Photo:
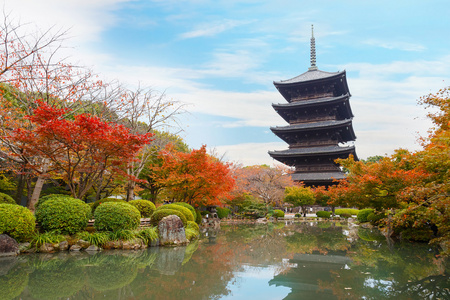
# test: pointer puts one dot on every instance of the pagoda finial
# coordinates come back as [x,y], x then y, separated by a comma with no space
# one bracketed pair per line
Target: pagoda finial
[313,50]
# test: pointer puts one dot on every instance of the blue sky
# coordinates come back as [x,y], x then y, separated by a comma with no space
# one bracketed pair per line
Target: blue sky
[221,58]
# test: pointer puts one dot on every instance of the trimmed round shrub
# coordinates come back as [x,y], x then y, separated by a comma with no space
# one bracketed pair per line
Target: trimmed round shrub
[193,225]
[159,214]
[363,214]
[278,213]
[188,206]
[145,207]
[185,211]
[298,215]
[98,202]
[323,214]
[51,196]
[223,212]
[64,214]
[5,198]
[198,217]
[349,211]
[113,216]
[16,221]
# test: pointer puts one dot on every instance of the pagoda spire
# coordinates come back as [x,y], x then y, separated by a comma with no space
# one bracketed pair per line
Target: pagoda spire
[313,50]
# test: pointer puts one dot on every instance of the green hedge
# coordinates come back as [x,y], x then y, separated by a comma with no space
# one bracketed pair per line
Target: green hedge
[188,206]
[145,207]
[51,196]
[278,213]
[193,225]
[16,221]
[5,198]
[363,214]
[185,211]
[198,217]
[98,202]
[113,216]
[63,214]
[323,214]
[223,212]
[348,211]
[159,214]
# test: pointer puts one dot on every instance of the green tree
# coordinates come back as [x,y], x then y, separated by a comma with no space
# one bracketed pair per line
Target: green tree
[299,196]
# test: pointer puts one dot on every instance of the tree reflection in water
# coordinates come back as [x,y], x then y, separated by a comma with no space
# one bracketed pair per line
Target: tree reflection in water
[316,261]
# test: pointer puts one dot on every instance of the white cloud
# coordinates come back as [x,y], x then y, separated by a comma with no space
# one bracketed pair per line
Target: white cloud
[208,29]
[397,45]
[251,153]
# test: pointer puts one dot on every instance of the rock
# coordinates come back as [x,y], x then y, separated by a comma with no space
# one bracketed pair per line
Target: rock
[75,247]
[83,244]
[171,231]
[112,245]
[92,248]
[63,246]
[47,248]
[8,246]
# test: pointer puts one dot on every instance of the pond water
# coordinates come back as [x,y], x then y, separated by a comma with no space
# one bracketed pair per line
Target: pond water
[274,261]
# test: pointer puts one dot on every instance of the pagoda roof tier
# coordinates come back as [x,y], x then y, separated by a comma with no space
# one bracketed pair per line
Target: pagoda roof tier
[330,126]
[286,156]
[342,104]
[312,79]
[308,76]
[310,178]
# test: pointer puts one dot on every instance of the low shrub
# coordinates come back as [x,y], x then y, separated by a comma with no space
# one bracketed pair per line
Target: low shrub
[145,207]
[148,234]
[63,214]
[114,216]
[345,215]
[323,214]
[349,211]
[191,234]
[104,200]
[298,215]
[198,217]
[278,213]
[94,238]
[123,235]
[223,212]
[16,221]
[50,237]
[51,196]
[159,214]
[5,198]
[188,206]
[193,225]
[363,214]
[185,211]
[375,218]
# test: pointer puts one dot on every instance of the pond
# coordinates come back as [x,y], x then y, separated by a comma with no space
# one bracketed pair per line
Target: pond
[274,261]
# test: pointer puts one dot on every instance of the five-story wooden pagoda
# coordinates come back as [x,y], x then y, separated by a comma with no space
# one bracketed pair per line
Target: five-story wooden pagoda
[320,123]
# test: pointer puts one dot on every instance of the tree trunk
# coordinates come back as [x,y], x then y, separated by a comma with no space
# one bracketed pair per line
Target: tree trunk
[36,192]
[20,187]
[130,190]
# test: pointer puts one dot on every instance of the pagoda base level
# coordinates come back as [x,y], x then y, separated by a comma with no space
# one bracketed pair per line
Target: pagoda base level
[318,179]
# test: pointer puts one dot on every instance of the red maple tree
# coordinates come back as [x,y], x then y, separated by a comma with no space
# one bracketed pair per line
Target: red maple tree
[81,149]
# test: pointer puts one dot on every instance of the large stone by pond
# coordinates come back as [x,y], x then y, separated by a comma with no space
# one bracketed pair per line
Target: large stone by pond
[8,246]
[171,231]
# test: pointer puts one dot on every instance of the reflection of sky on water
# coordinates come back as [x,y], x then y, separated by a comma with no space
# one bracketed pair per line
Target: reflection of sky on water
[252,283]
